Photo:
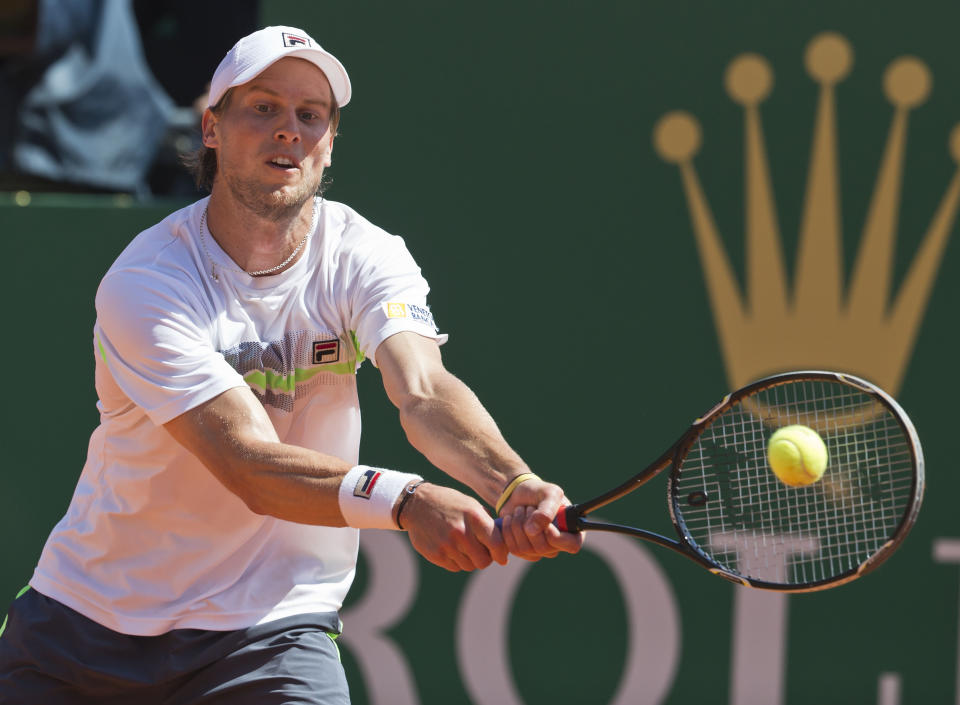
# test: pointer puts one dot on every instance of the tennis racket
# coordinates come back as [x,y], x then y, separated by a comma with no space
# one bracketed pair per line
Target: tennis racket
[734,517]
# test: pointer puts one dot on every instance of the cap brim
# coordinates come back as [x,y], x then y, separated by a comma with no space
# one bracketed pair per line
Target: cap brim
[334,71]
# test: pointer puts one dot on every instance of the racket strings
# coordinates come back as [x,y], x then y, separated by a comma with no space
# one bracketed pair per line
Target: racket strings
[758,527]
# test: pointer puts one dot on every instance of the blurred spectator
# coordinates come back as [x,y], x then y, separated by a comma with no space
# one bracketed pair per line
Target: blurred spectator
[183,41]
[85,113]
[82,108]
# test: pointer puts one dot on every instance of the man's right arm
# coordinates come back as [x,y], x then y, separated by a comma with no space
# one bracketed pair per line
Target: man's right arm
[232,435]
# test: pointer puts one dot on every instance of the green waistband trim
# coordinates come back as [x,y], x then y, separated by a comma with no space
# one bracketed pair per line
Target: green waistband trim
[333,638]
[27,587]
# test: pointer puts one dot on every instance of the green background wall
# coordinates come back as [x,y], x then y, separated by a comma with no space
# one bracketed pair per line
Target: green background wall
[510,143]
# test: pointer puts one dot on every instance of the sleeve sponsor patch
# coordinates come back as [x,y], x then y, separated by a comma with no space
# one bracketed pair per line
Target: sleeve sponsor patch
[410,311]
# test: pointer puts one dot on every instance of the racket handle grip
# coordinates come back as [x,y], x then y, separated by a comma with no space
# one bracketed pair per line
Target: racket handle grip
[560,521]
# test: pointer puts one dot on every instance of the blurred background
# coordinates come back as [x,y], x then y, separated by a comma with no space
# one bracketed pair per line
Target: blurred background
[544,161]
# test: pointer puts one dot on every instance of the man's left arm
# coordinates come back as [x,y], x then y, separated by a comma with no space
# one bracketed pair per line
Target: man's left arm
[445,421]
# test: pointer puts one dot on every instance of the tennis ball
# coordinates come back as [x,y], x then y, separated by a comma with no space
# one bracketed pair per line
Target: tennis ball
[797,455]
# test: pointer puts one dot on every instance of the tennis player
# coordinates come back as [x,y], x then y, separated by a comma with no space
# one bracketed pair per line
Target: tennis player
[213,535]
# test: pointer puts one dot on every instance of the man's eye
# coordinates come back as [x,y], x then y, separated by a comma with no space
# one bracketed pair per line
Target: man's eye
[261,108]
[308,116]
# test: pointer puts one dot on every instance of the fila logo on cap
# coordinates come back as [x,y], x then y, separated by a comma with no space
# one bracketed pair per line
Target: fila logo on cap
[326,351]
[295,40]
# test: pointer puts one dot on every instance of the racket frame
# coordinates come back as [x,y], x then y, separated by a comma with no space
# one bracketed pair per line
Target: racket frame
[574,517]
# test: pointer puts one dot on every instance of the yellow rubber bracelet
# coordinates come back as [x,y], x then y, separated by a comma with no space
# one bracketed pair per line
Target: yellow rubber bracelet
[514,483]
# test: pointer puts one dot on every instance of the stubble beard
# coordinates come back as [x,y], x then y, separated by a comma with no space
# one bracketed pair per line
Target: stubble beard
[275,204]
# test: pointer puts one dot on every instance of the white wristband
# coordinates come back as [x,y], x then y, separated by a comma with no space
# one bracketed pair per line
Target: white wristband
[368,496]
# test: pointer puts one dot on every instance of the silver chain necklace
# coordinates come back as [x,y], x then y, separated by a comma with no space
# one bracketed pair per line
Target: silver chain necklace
[260,272]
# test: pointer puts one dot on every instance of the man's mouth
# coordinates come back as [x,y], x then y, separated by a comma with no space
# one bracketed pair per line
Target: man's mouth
[283,163]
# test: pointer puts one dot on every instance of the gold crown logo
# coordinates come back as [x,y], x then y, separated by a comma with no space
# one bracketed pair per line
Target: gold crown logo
[860,328]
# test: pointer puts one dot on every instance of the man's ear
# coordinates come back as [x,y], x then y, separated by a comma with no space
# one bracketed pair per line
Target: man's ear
[208,129]
[328,153]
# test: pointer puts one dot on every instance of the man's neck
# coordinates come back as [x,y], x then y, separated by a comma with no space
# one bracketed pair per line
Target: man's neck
[255,242]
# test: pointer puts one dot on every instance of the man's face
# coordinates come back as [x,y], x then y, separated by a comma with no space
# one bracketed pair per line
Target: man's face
[274,138]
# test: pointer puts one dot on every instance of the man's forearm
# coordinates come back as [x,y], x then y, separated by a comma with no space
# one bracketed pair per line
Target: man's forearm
[449,425]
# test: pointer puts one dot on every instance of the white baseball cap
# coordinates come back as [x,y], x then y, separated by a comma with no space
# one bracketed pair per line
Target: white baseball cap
[256,52]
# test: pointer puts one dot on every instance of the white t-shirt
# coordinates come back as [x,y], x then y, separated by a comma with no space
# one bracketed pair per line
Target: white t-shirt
[151,540]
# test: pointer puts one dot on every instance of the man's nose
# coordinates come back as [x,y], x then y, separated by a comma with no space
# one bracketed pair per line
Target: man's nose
[288,127]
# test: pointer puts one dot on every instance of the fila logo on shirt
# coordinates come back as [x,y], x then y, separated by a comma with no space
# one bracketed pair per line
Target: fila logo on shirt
[294,40]
[326,351]
[366,483]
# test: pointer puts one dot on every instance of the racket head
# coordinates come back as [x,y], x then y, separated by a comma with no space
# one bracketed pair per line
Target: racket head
[737,517]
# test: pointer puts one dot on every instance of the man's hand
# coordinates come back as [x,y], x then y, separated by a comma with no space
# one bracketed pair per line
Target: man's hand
[527,518]
[452,530]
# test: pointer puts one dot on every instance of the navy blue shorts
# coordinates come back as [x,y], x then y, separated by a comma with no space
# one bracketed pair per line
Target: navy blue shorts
[53,655]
